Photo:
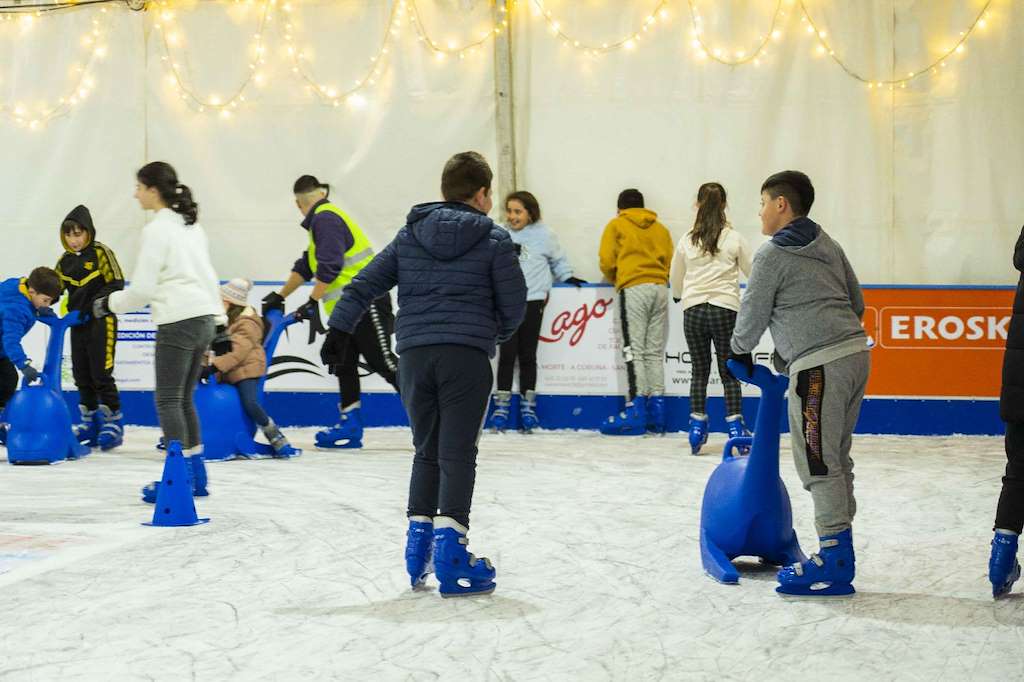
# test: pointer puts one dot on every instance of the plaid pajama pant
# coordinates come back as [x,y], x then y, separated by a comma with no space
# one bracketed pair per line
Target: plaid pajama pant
[703,324]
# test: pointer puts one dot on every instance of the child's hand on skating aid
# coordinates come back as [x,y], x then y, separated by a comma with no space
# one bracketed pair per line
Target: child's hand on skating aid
[332,353]
[745,359]
[575,281]
[273,301]
[221,342]
[30,373]
[208,371]
[100,307]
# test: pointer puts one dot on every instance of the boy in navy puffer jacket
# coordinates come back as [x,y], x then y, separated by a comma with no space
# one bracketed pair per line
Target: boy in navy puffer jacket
[460,292]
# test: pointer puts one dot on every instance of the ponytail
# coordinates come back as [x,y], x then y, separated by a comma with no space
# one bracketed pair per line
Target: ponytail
[177,196]
[711,220]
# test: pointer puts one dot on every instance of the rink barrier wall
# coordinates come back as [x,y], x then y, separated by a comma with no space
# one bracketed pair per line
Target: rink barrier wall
[892,409]
[893,416]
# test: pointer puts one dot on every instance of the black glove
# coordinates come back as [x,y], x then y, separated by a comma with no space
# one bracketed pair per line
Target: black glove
[46,312]
[30,373]
[221,341]
[332,353]
[100,307]
[208,371]
[576,281]
[310,310]
[745,359]
[677,300]
[273,301]
[518,248]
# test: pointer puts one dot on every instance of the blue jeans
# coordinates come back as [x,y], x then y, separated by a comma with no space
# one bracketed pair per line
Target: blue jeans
[248,391]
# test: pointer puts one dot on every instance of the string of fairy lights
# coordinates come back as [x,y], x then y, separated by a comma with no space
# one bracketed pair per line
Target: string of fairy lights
[283,15]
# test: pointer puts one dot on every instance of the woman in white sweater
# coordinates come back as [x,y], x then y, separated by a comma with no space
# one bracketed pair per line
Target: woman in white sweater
[174,277]
[705,278]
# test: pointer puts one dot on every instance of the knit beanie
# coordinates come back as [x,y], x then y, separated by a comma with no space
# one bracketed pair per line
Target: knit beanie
[236,291]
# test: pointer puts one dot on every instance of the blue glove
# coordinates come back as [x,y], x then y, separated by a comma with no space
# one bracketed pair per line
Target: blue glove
[46,312]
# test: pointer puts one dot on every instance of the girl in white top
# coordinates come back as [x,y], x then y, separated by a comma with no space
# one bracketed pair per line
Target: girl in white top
[174,277]
[705,278]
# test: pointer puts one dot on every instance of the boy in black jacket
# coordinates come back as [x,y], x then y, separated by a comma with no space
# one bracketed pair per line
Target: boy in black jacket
[89,270]
[460,292]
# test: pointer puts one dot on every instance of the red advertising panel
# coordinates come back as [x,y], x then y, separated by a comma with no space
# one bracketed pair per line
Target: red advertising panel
[937,343]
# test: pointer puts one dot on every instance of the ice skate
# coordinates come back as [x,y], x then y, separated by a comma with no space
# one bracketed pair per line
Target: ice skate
[528,412]
[502,411]
[632,421]
[419,550]
[1003,567]
[282,448]
[197,479]
[87,431]
[829,573]
[656,414]
[738,429]
[346,434]
[460,573]
[111,433]
[698,432]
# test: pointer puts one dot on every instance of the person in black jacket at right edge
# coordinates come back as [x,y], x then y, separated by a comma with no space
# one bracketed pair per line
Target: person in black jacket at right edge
[1003,568]
[89,270]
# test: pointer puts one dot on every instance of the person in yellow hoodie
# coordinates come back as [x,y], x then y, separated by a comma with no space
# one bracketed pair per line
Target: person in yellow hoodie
[636,255]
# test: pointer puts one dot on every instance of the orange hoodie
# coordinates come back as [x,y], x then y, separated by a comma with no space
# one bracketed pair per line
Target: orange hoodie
[636,249]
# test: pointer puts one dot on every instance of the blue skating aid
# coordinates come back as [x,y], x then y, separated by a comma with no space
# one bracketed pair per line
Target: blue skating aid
[346,434]
[419,551]
[460,573]
[829,573]
[746,509]
[226,429]
[40,429]
[1003,567]
[174,503]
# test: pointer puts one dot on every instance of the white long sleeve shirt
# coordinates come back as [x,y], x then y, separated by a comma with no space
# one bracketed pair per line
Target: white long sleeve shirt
[173,274]
[697,277]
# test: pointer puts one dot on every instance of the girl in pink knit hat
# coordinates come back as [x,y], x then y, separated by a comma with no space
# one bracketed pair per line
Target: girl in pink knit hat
[246,364]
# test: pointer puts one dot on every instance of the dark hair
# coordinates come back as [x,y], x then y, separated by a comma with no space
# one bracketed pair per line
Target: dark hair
[68,225]
[45,281]
[234,310]
[177,196]
[464,175]
[528,201]
[795,186]
[630,198]
[308,183]
[711,203]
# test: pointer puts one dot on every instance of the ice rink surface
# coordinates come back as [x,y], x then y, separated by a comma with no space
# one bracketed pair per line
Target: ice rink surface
[300,573]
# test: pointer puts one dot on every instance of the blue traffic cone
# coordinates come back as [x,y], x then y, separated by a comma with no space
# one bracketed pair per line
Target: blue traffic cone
[174,503]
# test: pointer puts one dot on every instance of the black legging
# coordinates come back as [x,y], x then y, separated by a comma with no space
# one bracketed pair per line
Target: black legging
[702,324]
[1010,513]
[523,347]
[372,340]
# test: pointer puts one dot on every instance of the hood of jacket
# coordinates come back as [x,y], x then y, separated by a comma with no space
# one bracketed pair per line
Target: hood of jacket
[804,237]
[448,230]
[641,217]
[79,214]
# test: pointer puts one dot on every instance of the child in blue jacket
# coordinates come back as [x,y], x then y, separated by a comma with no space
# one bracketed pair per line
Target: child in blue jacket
[460,291]
[22,301]
[543,263]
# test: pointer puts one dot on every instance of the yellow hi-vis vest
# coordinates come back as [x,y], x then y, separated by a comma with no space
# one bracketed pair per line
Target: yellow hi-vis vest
[356,258]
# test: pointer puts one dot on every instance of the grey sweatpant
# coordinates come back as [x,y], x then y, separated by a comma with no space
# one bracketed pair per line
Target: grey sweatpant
[178,361]
[824,403]
[642,315]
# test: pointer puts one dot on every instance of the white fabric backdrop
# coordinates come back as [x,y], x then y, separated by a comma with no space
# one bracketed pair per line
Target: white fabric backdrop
[921,185]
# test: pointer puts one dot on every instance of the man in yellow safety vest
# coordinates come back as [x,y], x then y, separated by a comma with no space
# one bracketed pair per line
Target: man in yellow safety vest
[338,250]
